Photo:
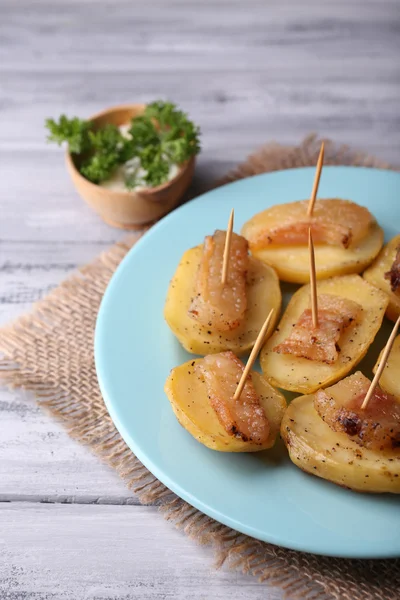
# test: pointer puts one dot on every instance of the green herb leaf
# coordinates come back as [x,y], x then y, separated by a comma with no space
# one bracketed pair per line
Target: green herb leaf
[99,167]
[107,139]
[73,131]
[156,165]
[144,134]
[161,137]
[106,148]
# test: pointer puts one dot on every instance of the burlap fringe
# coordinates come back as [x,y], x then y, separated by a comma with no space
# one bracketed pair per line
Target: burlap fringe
[49,352]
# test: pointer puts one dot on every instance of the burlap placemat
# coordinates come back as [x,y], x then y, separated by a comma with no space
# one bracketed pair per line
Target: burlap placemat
[50,352]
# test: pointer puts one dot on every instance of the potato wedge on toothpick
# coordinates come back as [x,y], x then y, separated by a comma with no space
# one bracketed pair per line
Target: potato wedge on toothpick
[316,449]
[347,238]
[263,294]
[390,378]
[378,275]
[299,374]
[224,404]
[189,396]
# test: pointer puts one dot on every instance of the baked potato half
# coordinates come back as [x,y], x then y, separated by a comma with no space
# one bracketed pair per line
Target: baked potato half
[263,294]
[187,394]
[306,376]
[316,449]
[390,378]
[375,274]
[290,257]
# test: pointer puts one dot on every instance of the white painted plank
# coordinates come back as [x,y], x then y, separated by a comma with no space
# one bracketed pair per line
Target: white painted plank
[237,111]
[39,461]
[71,552]
[162,34]
[253,72]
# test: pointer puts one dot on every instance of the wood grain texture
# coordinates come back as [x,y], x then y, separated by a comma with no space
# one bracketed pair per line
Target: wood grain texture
[38,461]
[248,72]
[75,552]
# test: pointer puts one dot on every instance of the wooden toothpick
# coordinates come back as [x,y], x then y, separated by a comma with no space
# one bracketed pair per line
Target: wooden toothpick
[313,281]
[382,365]
[227,249]
[253,356]
[316,181]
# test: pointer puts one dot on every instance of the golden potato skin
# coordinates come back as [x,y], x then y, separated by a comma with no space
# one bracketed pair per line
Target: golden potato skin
[292,262]
[188,396]
[263,294]
[316,449]
[390,378]
[375,275]
[305,376]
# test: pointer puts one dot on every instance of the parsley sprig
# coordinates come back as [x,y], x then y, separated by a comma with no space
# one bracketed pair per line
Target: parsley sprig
[161,137]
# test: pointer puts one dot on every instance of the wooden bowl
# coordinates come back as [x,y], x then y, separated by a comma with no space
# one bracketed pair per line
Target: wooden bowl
[130,209]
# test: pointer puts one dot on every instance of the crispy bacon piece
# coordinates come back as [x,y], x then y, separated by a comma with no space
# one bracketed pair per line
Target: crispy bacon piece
[334,221]
[321,343]
[394,274]
[376,427]
[243,418]
[216,306]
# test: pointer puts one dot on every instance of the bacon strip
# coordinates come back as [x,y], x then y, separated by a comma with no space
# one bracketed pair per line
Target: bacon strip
[321,343]
[334,221]
[377,427]
[216,306]
[243,418]
[394,274]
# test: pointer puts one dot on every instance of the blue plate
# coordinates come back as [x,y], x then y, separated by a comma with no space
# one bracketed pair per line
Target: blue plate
[263,495]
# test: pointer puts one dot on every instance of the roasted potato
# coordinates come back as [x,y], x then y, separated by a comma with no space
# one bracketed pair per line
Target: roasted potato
[318,450]
[305,376]
[263,294]
[189,400]
[291,260]
[375,274]
[390,378]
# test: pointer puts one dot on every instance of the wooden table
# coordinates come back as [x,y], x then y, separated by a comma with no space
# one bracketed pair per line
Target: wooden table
[247,72]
